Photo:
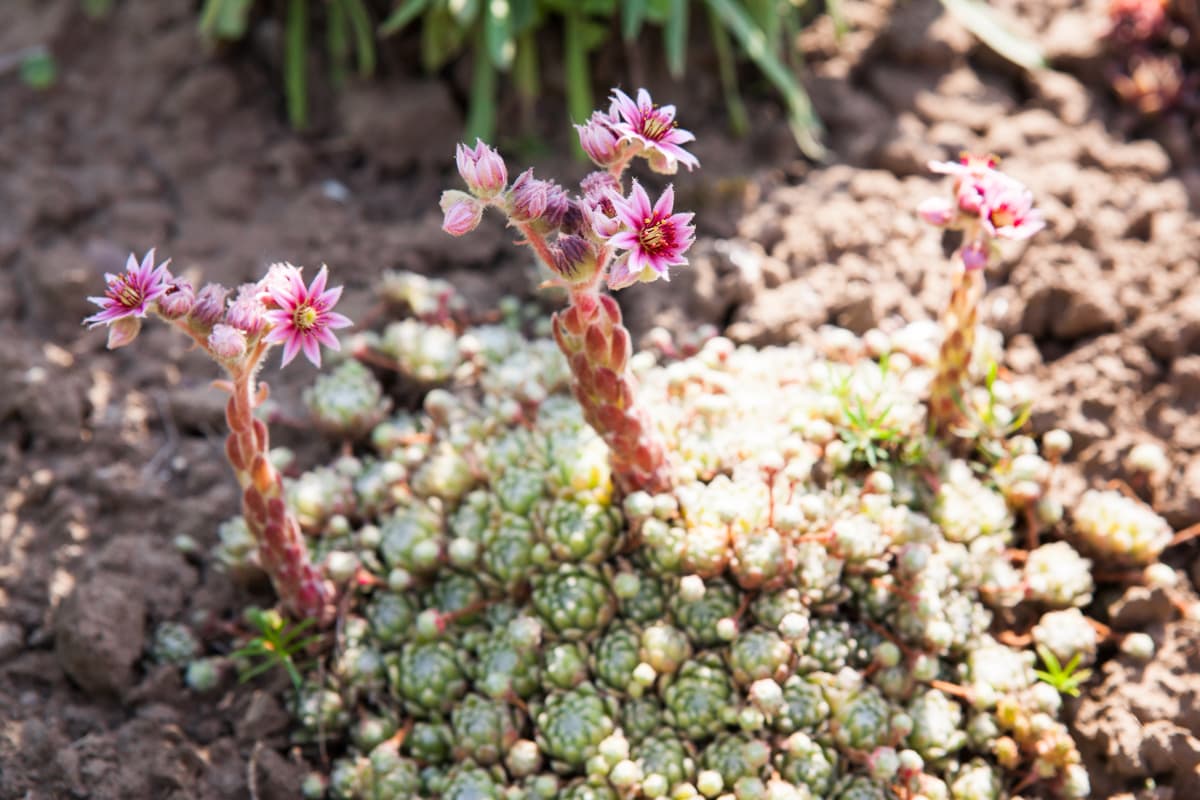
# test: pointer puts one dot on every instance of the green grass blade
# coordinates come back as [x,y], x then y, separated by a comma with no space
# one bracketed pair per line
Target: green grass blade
[465,12]
[578,77]
[442,37]
[675,38]
[806,128]
[481,115]
[739,121]
[295,63]
[633,14]
[253,672]
[337,41]
[525,74]
[987,25]
[525,15]
[497,26]
[364,35]
[404,14]
[225,19]
[765,14]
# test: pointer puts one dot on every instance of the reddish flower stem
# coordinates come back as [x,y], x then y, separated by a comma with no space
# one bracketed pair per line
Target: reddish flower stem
[954,357]
[281,547]
[590,333]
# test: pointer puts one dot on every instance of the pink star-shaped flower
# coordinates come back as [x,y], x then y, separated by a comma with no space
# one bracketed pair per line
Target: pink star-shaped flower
[130,293]
[654,237]
[654,129]
[1007,208]
[303,319]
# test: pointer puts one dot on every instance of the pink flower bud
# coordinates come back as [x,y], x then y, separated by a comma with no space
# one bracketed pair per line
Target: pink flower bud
[599,140]
[227,342]
[482,168]
[178,300]
[936,211]
[528,197]
[210,304]
[598,190]
[462,216]
[574,259]
[123,331]
[246,313]
[557,205]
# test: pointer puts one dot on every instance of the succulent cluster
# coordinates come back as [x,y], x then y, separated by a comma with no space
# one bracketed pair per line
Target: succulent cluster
[809,612]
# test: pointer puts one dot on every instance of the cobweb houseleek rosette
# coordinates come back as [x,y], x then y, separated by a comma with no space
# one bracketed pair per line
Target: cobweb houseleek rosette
[600,236]
[985,205]
[279,309]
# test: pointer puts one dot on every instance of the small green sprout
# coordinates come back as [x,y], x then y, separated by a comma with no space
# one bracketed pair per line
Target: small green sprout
[870,436]
[276,645]
[1066,680]
[988,427]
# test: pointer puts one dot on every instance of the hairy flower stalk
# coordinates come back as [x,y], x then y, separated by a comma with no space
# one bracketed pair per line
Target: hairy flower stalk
[986,205]
[598,237]
[280,309]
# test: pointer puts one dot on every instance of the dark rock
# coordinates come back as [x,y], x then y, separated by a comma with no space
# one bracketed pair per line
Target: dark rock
[264,717]
[100,633]
[1139,607]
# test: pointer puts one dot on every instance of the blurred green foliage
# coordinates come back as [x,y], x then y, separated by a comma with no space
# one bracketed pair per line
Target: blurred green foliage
[38,69]
[349,39]
[502,36]
[980,19]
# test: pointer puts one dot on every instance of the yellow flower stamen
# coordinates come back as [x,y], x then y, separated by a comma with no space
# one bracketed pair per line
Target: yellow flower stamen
[304,317]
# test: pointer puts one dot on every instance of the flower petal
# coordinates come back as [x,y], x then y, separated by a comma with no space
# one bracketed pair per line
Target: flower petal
[335,320]
[290,347]
[312,350]
[666,203]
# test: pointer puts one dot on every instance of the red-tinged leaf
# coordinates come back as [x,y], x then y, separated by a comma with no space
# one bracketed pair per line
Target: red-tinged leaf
[620,348]
[611,309]
[234,454]
[254,507]
[607,385]
[595,344]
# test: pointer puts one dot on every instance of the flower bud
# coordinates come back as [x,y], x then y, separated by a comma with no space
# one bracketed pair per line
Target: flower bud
[461,216]
[599,140]
[936,211]
[482,168]
[227,342]
[574,259]
[558,205]
[178,300]
[210,304]
[528,197]
[247,312]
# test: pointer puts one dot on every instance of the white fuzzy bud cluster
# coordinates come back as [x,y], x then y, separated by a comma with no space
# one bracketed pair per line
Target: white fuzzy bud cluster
[1118,528]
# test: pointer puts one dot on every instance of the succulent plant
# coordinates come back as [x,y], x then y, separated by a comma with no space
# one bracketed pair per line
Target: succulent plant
[758,577]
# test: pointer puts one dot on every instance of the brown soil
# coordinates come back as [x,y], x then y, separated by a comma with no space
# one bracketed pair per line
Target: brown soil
[147,140]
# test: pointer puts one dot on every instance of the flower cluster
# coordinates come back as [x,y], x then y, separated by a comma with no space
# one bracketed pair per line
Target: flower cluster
[238,334]
[986,204]
[279,309]
[600,233]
